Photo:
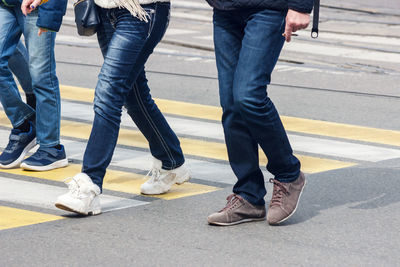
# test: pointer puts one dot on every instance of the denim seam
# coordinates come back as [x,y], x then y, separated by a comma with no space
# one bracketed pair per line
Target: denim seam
[152,21]
[49,145]
[58,101]
[19,123]
[53,93]
[152,125]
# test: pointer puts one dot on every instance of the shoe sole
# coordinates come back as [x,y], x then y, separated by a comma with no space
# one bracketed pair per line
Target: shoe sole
[90,213]
[55,165]
[17,162]
[297,204]
[238,222]
[185,179]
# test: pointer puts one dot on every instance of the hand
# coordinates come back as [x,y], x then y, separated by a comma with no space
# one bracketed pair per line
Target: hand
[28,6]
[41,30]
[294,21]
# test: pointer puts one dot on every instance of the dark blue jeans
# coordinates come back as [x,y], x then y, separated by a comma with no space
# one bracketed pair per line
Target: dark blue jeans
[126,43]
[247,47]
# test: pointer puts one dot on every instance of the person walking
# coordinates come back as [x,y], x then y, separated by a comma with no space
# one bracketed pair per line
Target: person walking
[248,38]
[127,36]
[39,29]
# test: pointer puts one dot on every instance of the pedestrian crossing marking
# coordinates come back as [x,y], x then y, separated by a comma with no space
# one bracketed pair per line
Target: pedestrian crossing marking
[13,217]
[294,124]
[121,181]
[205,149]
[345,131]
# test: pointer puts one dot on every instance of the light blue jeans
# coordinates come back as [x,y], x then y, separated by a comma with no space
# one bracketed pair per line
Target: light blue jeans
[42,68]
[19,65]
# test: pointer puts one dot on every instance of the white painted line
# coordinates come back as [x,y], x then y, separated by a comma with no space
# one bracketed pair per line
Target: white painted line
[165,50]
[69,19]
[183,15]
[342,149]
[190,4]
[207,37]
[44,196]
[75,39]
[172,31]
[361,39]
[214,130]
[344,52]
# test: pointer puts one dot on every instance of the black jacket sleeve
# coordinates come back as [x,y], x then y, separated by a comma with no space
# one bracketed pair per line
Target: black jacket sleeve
[303,6]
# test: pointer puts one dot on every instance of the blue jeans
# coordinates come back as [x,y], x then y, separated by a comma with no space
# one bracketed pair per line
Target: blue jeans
[19,65]
[42,68]
[247,46]
[126,43]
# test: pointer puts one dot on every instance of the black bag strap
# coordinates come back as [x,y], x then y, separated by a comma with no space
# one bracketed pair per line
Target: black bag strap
[314,31]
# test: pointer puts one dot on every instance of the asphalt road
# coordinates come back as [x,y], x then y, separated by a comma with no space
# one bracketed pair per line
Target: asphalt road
[339,98]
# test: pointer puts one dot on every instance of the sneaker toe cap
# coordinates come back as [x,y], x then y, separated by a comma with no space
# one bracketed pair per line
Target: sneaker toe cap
[216,218]
[150,189]
[276,215]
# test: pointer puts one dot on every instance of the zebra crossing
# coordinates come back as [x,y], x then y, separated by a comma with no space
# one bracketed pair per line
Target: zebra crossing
[27,198]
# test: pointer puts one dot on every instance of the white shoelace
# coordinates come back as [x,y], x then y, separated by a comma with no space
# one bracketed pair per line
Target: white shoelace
[73,187]
[155,175]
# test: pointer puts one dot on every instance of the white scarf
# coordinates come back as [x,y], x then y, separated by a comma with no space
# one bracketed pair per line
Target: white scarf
[133,6]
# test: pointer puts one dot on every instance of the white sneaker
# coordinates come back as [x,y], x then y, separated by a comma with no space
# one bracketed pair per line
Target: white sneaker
[162,180]
[83,196]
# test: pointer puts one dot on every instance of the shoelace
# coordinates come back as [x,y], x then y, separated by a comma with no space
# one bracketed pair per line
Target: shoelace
[232,199]
[11,146]
[73,186]
[13,143]
[155,175]
[279,192]
[39,154]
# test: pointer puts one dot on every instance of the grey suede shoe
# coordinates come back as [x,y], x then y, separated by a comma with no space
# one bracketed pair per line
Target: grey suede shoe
[237,210]
[285,199]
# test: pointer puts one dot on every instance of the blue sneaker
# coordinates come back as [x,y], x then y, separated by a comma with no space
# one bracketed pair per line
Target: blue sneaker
[45,159]
[19,144]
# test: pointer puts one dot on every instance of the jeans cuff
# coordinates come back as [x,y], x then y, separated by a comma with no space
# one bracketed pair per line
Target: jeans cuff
[289,179]
[252,201]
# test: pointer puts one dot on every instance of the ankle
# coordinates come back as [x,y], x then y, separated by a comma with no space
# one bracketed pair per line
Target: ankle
[58,147]
[24,127]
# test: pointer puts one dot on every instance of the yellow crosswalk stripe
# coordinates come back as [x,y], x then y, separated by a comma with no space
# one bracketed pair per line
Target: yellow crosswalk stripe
[121,181]
[193,147]
[316,127]
[12,217]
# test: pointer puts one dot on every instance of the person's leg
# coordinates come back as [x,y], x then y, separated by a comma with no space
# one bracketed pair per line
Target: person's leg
[119,71]
[19,65]
[42,67]
[242,148]
[127,65]
[121,53]
[10,31]
[261,47]
[164,144]
[259,121]
[262,44]
[22,137]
